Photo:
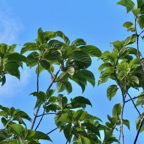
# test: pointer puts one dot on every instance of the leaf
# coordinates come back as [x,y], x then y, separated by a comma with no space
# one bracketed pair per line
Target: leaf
[64,85]
[16,57]
[32,59]
[80,59]
[116,110]
[127,123]
[129,4]
[40,135]
[41,98]
[3,49]
[12,69]
[68,132]
[140,21]
[53,55]
[80,101]
[78,42]
[104,65]
[89,76]
[29,46]
[111,91]
[40,36]
[16,129]
[91,50]
[45,64]
[128,24]
[63,36]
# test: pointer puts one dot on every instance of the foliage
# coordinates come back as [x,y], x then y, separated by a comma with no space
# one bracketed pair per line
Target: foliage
[67,63]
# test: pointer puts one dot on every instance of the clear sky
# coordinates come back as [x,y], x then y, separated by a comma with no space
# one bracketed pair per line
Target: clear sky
[97,22]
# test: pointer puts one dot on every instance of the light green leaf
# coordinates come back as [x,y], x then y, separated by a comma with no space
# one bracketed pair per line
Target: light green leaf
[16,129]
[129,4]
[111,91]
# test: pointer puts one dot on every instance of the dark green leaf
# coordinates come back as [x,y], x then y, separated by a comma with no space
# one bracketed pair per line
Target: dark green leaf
[80,59]
[80,101]
[12,69]
[140,21]
[45,64]
[78,42]
[91,50]
[32,59]
[111,91]
[63,36]
[127,123]
[40,135]
[116,110]
[40,38]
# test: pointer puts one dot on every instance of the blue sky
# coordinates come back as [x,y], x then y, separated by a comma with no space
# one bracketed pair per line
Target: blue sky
[97,22]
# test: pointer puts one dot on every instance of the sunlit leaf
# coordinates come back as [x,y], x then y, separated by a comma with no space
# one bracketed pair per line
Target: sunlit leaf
[129,4]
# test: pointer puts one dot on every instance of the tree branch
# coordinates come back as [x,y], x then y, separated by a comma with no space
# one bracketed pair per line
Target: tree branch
[54,78]
[37,111]
[138,132]
[134,104]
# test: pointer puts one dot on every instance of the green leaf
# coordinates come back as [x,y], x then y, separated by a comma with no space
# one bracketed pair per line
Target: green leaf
[116,110]
[68,132]
[80,59]
[40,38]
[129,4]
[12,69]
[128,24]
[29,46]
[92,128]
[11,48]
[127,123]
[41,98]
[80,80]
[53,55]
[111,91]
[78,42]
[89,76]
[16,129]
[141,21]
[40,135]
[91,50]
[63,36]
[64,85]
[16,57]
[32,59]
[80,101]
[3,49]
[104,65]
[45,64]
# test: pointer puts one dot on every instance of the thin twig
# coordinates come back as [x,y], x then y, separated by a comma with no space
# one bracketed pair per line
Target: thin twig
[53,81]
[134,98]
[134,104]
[52,130]
[138,132]
[37,111]
[46,114]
